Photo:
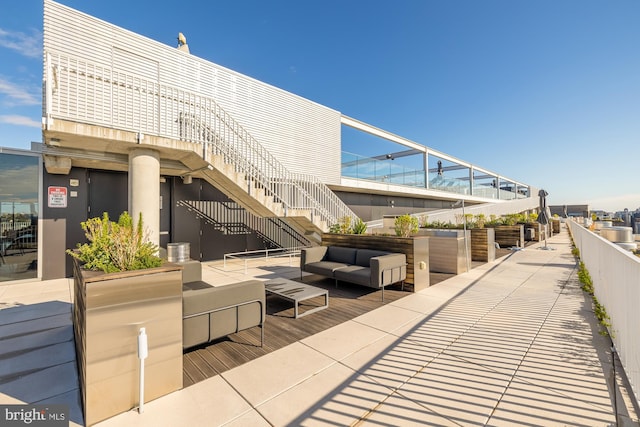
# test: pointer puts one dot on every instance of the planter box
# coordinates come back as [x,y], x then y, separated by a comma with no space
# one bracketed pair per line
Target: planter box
[415,248]
[109,310]
[483,246]
[555,226]
[446,250]
[509,235]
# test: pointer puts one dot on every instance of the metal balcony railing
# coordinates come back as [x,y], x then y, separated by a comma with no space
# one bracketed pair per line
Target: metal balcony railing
[94,93]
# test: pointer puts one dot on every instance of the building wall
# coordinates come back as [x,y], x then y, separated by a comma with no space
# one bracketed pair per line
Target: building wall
[370,207]
[282,122]
[91,192]
[572,210]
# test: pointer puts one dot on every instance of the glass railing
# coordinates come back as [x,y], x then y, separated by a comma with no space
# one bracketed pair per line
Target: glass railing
[390,172]
[452,185]
[385,171]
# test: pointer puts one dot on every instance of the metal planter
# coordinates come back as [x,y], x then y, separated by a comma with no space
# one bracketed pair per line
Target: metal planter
[109,310]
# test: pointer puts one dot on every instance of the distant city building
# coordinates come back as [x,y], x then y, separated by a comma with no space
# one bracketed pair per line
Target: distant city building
[571,210]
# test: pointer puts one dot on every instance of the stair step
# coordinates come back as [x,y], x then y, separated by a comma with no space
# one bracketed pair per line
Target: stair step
[244,191]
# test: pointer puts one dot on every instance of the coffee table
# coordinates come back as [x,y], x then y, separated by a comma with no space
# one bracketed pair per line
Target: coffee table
[296,292]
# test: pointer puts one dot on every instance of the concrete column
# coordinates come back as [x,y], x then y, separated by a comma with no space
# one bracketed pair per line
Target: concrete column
[144,190]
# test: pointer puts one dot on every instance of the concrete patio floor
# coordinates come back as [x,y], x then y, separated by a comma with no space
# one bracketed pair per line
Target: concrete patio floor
[513,342]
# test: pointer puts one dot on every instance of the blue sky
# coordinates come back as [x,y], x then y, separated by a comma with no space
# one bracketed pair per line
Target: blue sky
[543,92]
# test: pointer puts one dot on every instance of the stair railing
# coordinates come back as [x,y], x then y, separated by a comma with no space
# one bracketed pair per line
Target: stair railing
[95,93]
[231,218]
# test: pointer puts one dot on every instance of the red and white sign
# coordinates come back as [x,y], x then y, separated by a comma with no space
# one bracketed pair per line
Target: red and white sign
[57,197]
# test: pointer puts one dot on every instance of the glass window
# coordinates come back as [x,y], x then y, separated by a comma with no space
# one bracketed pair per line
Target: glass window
[18,216]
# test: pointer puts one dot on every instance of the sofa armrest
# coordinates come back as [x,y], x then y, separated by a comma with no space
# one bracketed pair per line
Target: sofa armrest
[214,312]
[388,269]
[212,299]
[314,254]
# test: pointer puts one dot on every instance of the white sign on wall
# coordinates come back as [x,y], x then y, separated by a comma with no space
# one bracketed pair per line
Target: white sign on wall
[57,197]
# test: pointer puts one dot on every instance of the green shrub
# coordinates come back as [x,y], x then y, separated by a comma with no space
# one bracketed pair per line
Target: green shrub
[115,246]
[334,228]
[587,286]
[347,226]
[406,225]
[602,316]
[585,279]
[513,219]
[359,227]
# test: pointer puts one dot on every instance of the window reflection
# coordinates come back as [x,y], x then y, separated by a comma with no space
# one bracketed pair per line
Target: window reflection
[18,217]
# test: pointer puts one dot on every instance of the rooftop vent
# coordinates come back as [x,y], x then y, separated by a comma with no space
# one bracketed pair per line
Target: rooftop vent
[182,43]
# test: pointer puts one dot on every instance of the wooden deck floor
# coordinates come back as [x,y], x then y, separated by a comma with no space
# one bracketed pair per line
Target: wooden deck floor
[281,329]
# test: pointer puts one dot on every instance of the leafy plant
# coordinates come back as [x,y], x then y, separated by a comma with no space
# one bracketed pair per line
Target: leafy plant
[598,309]
[405,225]
[468,218]
[346,225]
[359,227]
[481,220]
[334,228]
[116,246]
[585,279]
[602,316]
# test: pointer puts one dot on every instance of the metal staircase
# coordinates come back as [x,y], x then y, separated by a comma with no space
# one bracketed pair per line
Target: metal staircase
[257,180]
[237,164]
[230,218]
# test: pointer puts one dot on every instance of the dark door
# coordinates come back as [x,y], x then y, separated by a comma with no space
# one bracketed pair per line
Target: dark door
[165,211]
[185,216]
[108,192]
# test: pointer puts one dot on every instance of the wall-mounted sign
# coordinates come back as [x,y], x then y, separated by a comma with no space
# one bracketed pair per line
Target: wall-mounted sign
[57,197]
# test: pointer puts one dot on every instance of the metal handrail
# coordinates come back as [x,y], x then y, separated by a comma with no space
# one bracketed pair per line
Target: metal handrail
[257,254]
[95,93]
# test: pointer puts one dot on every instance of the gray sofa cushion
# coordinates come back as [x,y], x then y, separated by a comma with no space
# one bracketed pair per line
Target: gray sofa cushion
[354,274]
[342,255]
[324,268]
[364,255]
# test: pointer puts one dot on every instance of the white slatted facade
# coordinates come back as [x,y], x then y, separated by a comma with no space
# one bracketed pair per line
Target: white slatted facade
[295,130]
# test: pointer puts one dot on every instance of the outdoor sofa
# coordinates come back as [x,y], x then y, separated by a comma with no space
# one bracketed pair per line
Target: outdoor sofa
[209,313]
[366,267]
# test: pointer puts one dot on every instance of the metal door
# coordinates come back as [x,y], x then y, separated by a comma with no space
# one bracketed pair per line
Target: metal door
[184,215]
[165,211]
[108,192]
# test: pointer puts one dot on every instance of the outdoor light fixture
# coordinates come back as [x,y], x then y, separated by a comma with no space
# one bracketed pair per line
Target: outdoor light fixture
[143,353]
[187,179]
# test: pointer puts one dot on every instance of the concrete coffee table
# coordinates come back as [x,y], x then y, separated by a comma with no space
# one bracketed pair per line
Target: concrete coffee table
[296,292]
